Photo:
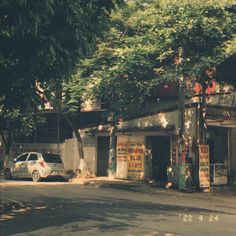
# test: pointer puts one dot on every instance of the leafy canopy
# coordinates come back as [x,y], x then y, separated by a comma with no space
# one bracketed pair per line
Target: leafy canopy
[153,41]
[44,41]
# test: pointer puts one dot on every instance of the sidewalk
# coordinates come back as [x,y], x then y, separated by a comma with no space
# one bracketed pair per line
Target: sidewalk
[141,186]
[229,190]
[98,180]
[106,182]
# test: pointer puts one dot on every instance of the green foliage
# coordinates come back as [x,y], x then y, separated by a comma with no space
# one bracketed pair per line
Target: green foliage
[154,41]
[44,41]
[18,121]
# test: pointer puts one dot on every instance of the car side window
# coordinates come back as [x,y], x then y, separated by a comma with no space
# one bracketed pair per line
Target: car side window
[33,157]
[23,157]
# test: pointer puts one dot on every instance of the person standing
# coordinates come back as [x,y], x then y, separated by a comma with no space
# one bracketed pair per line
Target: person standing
[148,158]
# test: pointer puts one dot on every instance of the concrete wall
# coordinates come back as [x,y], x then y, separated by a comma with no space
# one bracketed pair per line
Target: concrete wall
[90,153]
[70,155]
[164,120]
[160,119]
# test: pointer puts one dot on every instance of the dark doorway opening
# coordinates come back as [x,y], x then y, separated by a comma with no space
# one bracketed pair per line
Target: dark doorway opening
[160,147]
[103,156]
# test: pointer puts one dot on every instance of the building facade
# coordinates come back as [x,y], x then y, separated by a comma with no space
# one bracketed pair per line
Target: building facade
[147,146]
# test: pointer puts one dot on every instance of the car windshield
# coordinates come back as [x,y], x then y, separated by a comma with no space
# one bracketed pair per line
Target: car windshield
[51,158]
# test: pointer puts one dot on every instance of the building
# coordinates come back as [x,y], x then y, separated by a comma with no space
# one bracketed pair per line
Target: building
[147,144]
[156,129]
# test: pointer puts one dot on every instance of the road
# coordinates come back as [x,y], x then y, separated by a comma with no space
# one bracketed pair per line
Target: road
[113,209]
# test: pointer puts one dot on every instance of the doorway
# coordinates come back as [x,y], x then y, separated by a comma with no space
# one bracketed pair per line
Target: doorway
[103,156]
[160,148]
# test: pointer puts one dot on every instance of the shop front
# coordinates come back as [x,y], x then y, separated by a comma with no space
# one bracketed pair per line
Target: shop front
[221,159]
[143,157]
[147,146]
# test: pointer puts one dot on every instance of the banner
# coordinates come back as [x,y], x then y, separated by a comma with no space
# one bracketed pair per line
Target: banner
[204,166]
[122,151]
[220,174]
[130,160]
[136,153]
[174,150]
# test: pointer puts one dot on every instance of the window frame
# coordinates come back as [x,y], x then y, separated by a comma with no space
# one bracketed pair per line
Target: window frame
[18,158]
[33,154]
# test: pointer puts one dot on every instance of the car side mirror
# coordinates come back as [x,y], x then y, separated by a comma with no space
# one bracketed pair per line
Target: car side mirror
[14,160]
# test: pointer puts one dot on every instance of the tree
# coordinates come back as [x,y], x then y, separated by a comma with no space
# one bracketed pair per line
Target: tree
[154,41]
[144,44]
[43,41]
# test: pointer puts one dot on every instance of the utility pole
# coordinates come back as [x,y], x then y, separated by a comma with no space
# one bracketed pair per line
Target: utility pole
[181,139]
[112,147]
[203,150]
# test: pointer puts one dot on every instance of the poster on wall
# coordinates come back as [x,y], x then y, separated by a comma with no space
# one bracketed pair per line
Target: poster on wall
[136,153]
[204,166]
[174,150]
[220,174]
[130,160]
[122,151]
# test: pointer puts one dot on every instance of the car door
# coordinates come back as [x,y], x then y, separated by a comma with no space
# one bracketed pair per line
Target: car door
[20,165]
[31,162]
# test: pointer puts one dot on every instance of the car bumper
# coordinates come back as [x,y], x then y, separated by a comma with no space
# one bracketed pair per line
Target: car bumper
[52,173]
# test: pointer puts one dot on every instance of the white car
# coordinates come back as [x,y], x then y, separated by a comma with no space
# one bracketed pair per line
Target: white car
[35,165]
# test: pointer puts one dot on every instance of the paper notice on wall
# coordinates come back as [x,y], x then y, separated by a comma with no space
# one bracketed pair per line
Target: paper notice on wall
[220,174]
[122,151]
[174,150]
[204,166]
[136,153]
[130,160]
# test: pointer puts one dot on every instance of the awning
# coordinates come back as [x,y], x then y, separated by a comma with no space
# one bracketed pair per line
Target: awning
[221,116]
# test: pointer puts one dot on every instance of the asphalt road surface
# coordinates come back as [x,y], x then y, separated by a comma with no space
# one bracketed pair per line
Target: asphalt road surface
[112,209]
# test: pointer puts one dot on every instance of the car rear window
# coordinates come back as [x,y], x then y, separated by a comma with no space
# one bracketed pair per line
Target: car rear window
[51,158]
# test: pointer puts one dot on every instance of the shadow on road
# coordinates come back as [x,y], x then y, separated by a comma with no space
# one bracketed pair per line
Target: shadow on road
[109,214]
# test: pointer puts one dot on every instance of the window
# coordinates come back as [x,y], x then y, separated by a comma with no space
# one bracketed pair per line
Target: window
[33,157]
[51,158]
[23,157]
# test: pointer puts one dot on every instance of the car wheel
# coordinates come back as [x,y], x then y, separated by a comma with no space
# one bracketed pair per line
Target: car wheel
[7,174]
[36,176]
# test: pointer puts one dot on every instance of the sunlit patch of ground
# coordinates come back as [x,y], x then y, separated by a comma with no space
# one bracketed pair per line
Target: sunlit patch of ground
[6,217]
[80,181]
[19,183]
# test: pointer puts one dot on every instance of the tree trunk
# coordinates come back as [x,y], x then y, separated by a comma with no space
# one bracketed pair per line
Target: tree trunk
[7,142]
[196,145]
[112,151]
[181,109]
[202,115]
